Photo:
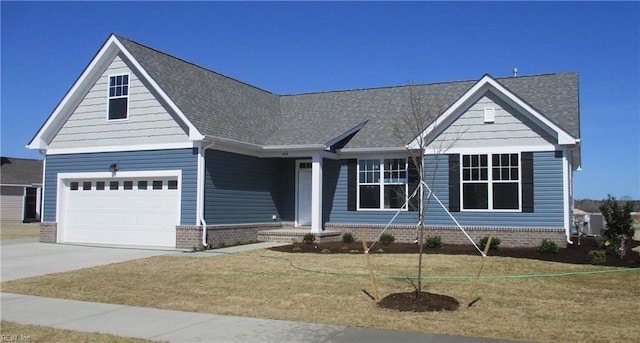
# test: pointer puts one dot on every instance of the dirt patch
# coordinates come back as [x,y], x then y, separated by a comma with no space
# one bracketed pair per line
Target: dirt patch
[427,302]
[574,254]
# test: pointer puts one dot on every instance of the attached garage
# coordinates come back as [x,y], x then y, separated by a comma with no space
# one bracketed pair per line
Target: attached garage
[128,209]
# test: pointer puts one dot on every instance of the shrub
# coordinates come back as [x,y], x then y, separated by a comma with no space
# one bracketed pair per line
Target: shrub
[221,245]
[434,242]
[387,238]
[597,256]
[548,246]
[494,242]
[326,251]
[309,238]
[347,238]
[619,224]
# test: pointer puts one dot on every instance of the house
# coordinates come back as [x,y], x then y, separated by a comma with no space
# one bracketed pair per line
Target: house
[149,149]
[20,189]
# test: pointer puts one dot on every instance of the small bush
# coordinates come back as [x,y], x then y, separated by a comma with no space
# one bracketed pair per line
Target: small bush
[309,238]
[548,247]
[296,249]
[494,242]
[347,238]
[221,245]
[237,243]
[387,238]
[598,256]
[434,242]
[326,251]
[354,251]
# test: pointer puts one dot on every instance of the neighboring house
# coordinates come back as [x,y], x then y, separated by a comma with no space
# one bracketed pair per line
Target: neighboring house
[147,149]
[20,189]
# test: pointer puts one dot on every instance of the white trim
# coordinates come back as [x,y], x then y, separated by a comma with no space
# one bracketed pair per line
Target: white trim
[474,93]
[566,167]
[503,150]
[194,133]
[122,148]
[381,183]
[316,193]
[91,74]
[106,52]
[490,183]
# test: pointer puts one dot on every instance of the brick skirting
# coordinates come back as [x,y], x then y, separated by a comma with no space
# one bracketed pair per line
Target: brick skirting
[510,237]
[48,232]
[190,236]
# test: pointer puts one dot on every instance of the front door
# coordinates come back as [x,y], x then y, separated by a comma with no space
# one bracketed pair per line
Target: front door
[304,194]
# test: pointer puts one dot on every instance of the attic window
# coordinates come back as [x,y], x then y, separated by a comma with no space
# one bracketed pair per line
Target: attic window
[118,97]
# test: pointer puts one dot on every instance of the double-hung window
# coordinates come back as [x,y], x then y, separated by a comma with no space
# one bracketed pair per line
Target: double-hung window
[382,183]
[118,97]
[491,182]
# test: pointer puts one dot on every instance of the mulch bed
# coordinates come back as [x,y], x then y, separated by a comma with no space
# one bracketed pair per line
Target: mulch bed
[576,254]
[427,302]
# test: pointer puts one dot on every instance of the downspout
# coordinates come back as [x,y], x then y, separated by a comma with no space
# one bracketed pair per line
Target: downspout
[203,169]
[568,167]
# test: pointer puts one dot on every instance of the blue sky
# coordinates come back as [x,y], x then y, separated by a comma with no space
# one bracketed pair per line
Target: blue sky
[308,47]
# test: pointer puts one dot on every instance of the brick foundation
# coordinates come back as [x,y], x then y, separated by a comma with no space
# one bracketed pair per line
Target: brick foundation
[48,232]
[510,237]
[190,236]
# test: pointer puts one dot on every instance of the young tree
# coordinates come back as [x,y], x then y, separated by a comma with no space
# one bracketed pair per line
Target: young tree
[422,113]
[619,224]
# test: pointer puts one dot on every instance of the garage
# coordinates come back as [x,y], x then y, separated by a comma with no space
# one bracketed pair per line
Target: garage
[141,210]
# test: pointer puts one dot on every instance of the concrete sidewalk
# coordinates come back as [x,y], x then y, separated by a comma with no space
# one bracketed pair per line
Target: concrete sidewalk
[179,326]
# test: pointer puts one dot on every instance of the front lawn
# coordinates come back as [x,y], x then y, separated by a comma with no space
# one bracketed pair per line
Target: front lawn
[15,230]
[328,289]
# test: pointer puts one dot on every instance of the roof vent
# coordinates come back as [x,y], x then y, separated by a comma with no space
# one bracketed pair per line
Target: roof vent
[515,72]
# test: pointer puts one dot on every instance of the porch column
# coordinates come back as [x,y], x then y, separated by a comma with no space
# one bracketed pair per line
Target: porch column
[316,194]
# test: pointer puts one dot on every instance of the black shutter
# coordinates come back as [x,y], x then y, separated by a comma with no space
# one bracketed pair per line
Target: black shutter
[352,184]
[526,160]
[414,182]
[454,183]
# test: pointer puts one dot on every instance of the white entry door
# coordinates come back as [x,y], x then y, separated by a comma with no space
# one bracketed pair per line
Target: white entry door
[304,196]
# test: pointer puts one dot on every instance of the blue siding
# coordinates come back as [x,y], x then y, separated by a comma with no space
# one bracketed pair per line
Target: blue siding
[338,213]
[242,189]
[548,200]
[175,159]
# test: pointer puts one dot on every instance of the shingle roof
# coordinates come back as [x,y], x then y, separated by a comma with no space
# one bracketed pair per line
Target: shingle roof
[222,107]
[217,105]
[20,171]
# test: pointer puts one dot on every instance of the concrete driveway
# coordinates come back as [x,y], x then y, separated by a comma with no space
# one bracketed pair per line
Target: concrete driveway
[21,258]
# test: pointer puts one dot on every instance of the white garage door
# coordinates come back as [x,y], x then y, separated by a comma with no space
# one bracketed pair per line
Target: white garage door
[127,211]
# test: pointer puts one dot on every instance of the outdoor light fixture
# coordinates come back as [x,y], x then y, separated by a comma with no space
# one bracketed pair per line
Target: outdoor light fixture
[114,167]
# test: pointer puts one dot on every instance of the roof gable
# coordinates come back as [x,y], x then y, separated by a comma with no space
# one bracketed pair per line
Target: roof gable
[219,108]
[109,50]
[483,86]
